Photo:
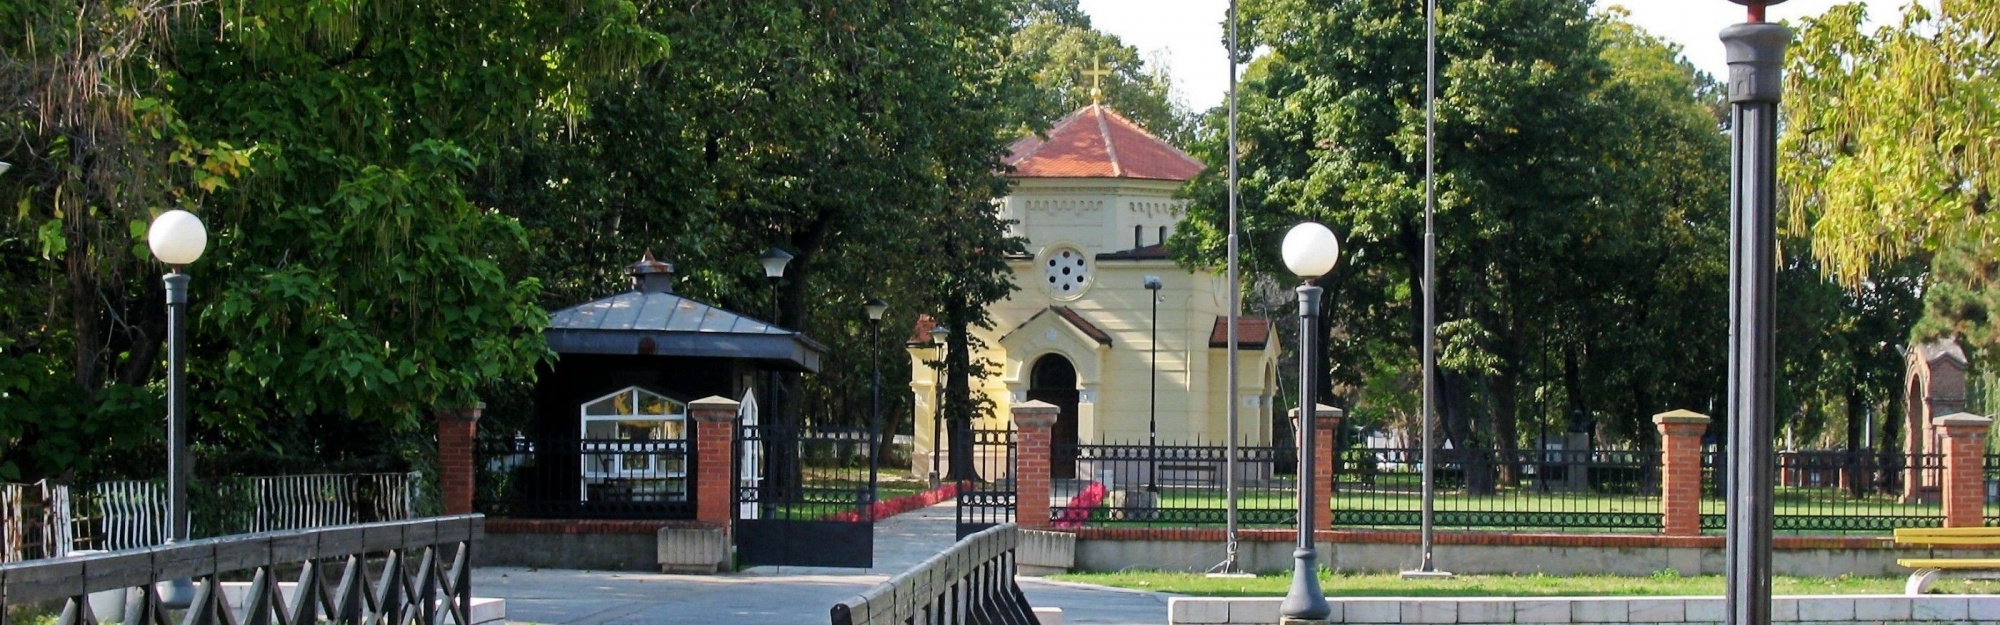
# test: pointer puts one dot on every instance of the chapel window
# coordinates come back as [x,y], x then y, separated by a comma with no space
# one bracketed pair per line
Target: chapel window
[1067,271]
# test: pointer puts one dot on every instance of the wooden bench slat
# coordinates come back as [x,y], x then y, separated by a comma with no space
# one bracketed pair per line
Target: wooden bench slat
[1954,541]
[1949,563]
[1932,532]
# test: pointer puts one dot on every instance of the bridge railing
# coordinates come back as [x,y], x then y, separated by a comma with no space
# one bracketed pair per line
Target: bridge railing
[972,582]
[421,571]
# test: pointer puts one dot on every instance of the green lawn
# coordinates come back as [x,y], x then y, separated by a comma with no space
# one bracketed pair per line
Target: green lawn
[1386,585]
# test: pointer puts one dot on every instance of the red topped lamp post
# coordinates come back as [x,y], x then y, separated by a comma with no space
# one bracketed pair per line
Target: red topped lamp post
[1756,52]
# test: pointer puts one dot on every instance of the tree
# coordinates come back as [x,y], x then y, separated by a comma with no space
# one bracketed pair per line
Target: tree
[1552,186]
[1054,47]
[352,286]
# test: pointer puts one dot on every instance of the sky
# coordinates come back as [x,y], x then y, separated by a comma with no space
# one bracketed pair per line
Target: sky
[1187,34]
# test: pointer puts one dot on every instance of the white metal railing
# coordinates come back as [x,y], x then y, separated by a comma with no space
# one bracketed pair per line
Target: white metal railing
[43,520]
[34,521]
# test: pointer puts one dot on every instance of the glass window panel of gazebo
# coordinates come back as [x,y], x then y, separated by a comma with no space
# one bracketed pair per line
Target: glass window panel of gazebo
[633,444]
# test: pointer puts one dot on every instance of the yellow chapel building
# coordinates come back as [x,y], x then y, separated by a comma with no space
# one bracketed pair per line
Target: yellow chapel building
[1095,201]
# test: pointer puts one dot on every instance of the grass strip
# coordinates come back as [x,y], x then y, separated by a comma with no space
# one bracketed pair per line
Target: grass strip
[1535,585]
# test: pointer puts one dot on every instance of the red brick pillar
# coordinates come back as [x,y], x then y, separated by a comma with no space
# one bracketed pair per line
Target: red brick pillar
[715,459]
[457,429]
[1323,454]
[1680,471]
[1964,441]
[1032,423]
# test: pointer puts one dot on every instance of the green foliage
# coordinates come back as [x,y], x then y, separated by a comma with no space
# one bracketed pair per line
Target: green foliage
[1573,150]
[1053,49]
[353,284]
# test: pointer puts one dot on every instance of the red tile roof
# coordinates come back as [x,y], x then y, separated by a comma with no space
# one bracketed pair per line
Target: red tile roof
[1251,333]
[1096,142]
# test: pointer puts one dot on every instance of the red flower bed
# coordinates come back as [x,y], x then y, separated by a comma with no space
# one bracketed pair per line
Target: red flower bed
[892,507]
[1078,510]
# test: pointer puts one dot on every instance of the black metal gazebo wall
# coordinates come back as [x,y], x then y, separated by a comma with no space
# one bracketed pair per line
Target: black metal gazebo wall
[549,485]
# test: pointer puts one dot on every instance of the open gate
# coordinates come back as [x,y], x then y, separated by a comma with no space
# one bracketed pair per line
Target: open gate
[988,500]
[804,495]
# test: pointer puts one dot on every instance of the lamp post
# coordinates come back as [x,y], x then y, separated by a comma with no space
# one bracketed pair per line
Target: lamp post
[1310,250]
[1756,53]
[778,466]
[938,336]
[177,238]
[1153,395]
[875,308]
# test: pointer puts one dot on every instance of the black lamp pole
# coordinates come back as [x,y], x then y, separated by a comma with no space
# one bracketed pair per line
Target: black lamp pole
[1756,52]
[875,309]
[1153,395]
[938,336]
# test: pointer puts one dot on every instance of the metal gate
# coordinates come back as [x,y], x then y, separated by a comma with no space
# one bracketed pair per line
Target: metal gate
[988,500]
[804,496]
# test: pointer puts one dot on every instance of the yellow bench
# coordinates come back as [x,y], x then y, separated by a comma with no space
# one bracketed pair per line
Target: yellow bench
[1928,570]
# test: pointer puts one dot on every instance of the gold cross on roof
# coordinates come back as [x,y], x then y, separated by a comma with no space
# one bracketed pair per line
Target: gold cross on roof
[1096,73]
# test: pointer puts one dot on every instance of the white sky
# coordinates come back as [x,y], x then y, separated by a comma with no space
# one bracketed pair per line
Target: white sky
[1188,33]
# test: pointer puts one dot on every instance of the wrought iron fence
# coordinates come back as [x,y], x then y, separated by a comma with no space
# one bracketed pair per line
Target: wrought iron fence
[1547,490]
[809,473]
[615,479]
[1169,485]
[990,500]
[1990,479]
[1838,491]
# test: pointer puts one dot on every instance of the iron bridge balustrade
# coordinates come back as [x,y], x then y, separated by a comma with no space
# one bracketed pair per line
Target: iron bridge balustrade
[1832,492]
[585,479]
[1112,481]
[1550,490]
[395,573]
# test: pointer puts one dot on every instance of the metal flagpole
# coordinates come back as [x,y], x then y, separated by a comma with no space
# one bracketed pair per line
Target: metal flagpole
[1229,562]
[1425,568]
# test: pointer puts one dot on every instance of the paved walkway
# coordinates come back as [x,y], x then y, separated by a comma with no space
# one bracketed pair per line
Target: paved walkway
[769,595]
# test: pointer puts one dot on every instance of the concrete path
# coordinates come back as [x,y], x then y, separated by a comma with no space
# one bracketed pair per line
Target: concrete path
[771,595]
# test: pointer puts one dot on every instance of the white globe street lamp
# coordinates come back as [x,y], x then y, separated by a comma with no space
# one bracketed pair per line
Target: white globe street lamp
[177,238]
[1310,251]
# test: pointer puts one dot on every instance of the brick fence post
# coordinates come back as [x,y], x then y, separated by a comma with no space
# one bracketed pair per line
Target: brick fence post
[1964,442]
[1680,470]
[457,430]
[1032,423]
[1323,455]
[715,459]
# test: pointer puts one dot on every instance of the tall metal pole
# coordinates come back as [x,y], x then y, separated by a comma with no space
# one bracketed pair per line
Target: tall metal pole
[874,411]
[1305,600]
[178,468]
[1229,565]
[1153,404]
[179,592]
[1756,53]
[1426,564]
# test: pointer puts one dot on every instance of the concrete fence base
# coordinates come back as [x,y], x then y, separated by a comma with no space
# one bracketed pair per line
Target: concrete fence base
[1799,610]
[700,551]
[1045,553]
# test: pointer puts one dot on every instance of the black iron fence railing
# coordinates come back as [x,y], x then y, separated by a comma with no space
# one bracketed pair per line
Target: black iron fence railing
[988,500]
[616,479]
[1549,490]
[1837,491]
[1169,485]
[1990,479]
[810,473]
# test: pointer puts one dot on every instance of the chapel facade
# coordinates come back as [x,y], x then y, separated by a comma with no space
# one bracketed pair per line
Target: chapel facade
[1095,201]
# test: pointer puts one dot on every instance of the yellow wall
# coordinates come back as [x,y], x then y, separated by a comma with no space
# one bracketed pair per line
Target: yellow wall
[1097,216]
